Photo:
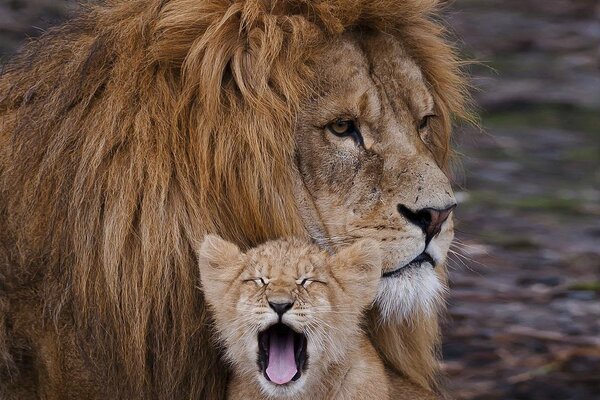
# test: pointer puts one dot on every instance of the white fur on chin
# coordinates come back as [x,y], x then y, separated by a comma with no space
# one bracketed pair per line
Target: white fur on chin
[417,291]
[280,392]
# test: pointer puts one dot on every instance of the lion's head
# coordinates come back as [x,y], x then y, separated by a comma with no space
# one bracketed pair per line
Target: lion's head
[288,307]
[139,127]
[366,154]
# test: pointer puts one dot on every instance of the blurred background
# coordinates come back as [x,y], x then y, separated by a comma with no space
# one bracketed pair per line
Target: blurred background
[524,319]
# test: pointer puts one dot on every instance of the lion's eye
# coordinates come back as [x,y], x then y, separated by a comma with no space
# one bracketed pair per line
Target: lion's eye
[346,128]
[424,124]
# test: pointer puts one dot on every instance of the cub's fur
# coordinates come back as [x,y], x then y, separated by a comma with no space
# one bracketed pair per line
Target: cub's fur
[324,297]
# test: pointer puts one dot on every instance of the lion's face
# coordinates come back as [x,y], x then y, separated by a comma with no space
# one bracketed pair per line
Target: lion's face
[287,310]
[363,145]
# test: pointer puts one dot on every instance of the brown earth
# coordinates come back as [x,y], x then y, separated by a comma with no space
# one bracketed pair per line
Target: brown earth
[524,319]
[525,305]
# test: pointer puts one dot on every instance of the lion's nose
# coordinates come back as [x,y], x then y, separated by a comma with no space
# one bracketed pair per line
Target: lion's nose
[281,308]
[428,219]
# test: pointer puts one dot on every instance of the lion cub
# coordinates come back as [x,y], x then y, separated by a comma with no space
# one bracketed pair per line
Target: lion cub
[289,316]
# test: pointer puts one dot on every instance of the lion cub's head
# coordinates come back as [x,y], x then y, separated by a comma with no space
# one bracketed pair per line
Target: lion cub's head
[286,310]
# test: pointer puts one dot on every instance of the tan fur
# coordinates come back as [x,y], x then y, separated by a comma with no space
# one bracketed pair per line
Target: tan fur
[141,125]
[343,364]
[403,389]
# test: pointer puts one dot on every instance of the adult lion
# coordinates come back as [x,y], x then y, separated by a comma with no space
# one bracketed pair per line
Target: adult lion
[130,132]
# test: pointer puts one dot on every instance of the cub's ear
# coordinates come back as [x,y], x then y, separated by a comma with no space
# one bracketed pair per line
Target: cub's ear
[358,269]
[218,257]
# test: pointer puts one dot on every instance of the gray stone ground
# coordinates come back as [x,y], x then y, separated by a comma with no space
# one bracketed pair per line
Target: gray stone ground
[525,308]
[524,319]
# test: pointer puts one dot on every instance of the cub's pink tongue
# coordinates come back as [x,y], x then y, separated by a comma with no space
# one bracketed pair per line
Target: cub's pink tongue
[282,362]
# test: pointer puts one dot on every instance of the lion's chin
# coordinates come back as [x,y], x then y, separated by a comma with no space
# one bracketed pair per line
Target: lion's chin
[415,292]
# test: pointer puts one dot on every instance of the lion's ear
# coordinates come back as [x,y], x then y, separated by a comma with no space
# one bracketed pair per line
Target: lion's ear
[358,269]
[218,257]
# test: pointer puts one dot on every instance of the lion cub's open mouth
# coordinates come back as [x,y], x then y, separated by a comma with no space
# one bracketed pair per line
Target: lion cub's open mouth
[281,354]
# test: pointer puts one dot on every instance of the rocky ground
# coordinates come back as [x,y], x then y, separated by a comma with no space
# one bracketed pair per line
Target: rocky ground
[21,19]
[524,319]
[525,306]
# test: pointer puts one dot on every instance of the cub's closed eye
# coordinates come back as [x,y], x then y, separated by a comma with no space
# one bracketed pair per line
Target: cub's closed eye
[259,281]
[346,128]
[304,282]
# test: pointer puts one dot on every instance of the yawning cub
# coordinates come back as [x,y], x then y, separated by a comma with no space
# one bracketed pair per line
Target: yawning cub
[289,316]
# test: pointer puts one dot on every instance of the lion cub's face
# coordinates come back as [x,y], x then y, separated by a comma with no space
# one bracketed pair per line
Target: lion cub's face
[286,310]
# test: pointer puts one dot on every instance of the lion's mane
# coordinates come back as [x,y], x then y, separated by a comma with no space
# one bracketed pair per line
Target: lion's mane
[137,127]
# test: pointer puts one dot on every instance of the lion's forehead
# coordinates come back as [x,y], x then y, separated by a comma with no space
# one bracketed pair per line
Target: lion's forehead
[357,72]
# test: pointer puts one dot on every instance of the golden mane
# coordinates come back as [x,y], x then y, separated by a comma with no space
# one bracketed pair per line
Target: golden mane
[131,131]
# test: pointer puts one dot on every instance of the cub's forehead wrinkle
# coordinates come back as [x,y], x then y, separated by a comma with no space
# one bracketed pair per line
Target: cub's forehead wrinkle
[318,259]
[254,270]
[311,268]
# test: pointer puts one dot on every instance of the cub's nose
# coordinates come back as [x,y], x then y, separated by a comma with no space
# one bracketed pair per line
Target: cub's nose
[430,220]
[281,308]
